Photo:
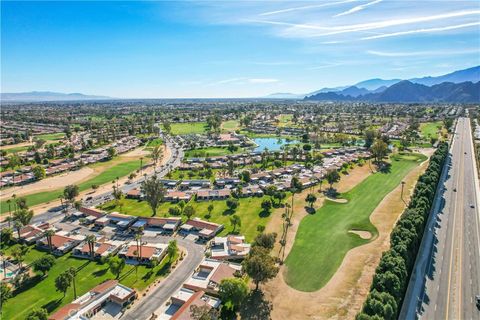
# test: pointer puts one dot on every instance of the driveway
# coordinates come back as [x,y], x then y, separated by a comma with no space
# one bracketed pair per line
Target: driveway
[154,299]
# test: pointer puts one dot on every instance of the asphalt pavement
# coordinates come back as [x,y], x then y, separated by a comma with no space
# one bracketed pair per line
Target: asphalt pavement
[159,295]
[446,276]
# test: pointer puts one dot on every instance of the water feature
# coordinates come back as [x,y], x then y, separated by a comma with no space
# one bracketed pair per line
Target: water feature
[272,144]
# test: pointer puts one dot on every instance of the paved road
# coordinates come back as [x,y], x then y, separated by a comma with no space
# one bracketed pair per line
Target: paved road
[446,276]
[143,310]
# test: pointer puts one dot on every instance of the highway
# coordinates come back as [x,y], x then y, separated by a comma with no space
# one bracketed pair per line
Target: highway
[446,277]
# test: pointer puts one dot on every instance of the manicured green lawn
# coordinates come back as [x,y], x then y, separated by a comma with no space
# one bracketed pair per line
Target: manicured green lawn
[323,239]
[51,136]
[154,143]
[16,149]
[188,128]
[231,125]
[106,176]
[42,293]
[430,129]
[211,152]
[249,211]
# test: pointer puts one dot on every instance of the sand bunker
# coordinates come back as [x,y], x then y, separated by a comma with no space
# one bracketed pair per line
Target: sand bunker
[337,200]
[362,234]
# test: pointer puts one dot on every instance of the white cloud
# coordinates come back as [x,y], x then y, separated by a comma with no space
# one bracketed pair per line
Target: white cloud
[357,8]
[269,13]
[422,53]
[426,30]
[309,30]
[262,80]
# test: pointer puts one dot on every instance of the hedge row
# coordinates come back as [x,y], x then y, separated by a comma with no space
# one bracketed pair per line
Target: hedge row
[393,271]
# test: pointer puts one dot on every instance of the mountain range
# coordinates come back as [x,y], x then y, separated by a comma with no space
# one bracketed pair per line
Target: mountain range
[48,96]
[407,91]
[378,85]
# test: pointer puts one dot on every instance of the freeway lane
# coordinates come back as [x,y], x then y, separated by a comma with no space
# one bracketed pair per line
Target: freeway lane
[446,277]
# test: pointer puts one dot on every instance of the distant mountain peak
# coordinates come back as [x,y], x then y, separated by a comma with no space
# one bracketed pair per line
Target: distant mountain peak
[48,96]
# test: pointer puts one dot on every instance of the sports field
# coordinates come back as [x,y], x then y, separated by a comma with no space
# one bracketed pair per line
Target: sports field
[323,238]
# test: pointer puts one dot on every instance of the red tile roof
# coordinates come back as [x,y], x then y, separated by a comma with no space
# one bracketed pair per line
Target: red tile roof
[145,251]
[200,224]
[223,271]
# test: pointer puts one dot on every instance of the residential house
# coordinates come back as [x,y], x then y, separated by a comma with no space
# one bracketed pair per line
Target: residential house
[144,253]
[92,302]
[232,247]
[216,194]
[184,299]
[208,275]
[62,242]
[101,248]
[32,232]
[204,229]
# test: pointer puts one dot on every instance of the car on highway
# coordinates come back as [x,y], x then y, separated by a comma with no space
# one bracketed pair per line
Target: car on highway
[477,301]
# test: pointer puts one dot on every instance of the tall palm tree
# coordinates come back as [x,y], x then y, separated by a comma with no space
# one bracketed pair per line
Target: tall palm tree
[73,273]
[49,234]
[9,212]
[91,244]
[138,238]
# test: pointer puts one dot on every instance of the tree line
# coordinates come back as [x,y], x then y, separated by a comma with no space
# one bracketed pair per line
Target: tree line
[393,271]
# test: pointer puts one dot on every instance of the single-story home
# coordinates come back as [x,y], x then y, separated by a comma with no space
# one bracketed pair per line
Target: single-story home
[101,248]
[89,304]
[215,194]
[232,247]
[61,242]
[144,253]
[204,229]
[208,275]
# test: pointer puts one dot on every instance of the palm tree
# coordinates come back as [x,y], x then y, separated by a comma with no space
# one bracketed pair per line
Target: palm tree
[138,238]
[9,212]
[49,234]
[73,273]
[14,197]
[90,239]
[18,225]
[156,154]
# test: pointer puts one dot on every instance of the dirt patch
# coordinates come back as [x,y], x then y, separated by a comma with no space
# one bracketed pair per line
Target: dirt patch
[17,145]
[51,183]
[361,233]
[354,177]
[343,296]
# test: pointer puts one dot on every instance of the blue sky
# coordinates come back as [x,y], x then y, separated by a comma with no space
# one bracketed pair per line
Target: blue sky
[230,48]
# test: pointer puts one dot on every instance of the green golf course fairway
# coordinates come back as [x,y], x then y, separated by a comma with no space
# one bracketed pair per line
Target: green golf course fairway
[323,240]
